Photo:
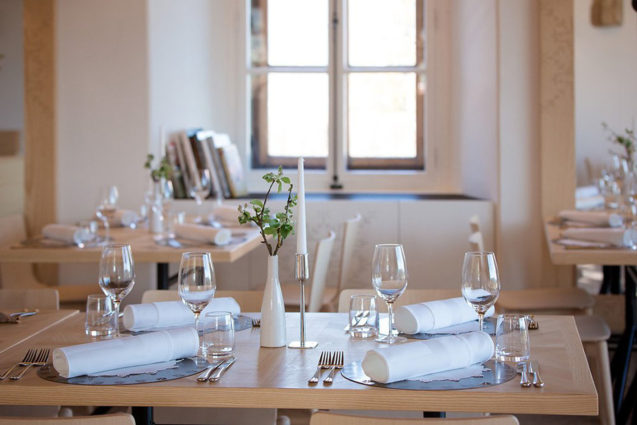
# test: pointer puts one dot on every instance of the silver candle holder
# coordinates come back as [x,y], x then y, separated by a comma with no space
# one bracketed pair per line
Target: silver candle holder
[302,273]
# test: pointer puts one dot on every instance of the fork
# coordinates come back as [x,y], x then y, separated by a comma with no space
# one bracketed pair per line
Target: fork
[28,357]
[256,323]
[337,364]
[40,359]
[323,363]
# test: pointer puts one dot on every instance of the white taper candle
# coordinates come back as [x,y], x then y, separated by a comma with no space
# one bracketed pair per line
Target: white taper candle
[301,237]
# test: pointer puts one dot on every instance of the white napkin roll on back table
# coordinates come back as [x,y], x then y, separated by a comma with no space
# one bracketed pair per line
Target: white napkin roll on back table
[204,234]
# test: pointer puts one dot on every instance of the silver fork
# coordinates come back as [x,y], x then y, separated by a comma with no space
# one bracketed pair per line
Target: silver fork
[40,360]
[256,323]
[323,363]
[28,357]
[337,364]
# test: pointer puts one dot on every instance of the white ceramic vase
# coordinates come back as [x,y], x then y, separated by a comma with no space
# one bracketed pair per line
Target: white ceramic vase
[273,308]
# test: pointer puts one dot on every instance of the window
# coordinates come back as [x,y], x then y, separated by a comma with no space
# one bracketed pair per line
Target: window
[340,82]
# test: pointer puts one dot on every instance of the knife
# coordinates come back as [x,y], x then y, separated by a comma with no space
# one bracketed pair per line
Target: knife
[219,371]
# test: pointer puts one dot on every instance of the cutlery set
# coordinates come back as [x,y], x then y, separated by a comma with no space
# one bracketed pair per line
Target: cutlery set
[333,360]
[33,357]
[213,372]
[531,368]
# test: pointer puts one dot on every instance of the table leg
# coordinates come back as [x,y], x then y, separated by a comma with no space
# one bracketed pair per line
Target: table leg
[162,276]
[143,415]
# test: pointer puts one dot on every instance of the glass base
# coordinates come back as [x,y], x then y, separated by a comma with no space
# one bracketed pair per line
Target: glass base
[512,357]
[306,344]
[390,339]
[100,332]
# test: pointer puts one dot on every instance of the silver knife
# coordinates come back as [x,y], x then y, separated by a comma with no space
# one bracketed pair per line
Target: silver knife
[216,375]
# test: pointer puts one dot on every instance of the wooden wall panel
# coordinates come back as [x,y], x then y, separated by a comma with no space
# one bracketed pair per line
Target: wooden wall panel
[40,120]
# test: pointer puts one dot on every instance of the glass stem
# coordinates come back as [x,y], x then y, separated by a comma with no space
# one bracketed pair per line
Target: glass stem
[199,334]
[116,304]
[480,319]
[107,230]
[390,310]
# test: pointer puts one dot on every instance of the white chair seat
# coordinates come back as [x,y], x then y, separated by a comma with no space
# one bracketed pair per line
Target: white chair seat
[592,328]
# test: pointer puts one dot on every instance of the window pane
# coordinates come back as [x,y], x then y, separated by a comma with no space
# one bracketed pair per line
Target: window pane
[382,115]
[382,32]
[296,33]
[297,114]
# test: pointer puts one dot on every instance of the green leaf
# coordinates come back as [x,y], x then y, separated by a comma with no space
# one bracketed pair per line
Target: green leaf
[285,180]
[280,187]
[256,202]
[270,230]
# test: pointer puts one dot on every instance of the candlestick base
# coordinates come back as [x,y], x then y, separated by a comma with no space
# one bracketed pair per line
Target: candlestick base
[303,345]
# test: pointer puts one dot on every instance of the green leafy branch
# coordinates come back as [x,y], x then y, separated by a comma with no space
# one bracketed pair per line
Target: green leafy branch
[279,225]
[628,141]
[164,170]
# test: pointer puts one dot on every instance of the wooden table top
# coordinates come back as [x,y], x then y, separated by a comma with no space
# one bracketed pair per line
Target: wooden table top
[277,377]
[145,250]
[561,255]
[14,334]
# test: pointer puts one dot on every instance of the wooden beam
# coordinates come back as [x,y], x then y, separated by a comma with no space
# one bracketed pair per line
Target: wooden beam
[40,120]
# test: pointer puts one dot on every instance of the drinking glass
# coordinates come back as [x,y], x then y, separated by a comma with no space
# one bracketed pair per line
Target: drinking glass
[196,283]
[363,316]
[100,316]
[480,281]
[389,278]
[218,334]
[512,338]
[117,275]
[200,189]
[107,207]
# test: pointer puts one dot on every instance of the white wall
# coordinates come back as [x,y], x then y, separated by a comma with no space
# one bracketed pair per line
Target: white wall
[605,83]
[11,67]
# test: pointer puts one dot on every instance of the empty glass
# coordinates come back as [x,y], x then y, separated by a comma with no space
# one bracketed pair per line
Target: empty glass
[363,316]
[218,334]
[107,207]
[389,278]
[512,338]
[101,319]
[116,274]
[480,281]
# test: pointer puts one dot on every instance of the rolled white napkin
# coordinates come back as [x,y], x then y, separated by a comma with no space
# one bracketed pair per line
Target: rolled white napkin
[430,315]
[125,218]
[617,237]
[118,353]
[205,234]
[226,215]
[413,359]
[589,202]
[597,218]
[586,191]
[67,233]
[168,314]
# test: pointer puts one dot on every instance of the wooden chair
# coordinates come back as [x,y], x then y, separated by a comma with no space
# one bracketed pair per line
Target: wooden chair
[21,276]
[247,300]
[12,300]
[410,296]
[112,419]
[318,273]
[327,418]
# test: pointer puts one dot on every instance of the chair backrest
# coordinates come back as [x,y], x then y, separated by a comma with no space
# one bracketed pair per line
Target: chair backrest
[546,301]
[247,300]
[17,299]
[476,241]
[328,418]
[474,223]
[112,419]
[15,275]
[410,296]
[350,233]
[319,271]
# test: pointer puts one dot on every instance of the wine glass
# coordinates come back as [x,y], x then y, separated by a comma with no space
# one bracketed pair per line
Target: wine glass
[107,207]
[480,281]
[201,188]
[389,277]
[117,274]
[196,283]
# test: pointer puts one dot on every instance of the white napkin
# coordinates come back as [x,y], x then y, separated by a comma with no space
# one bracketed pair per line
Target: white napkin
[138,370]
[586,191]
[596,218]
[125,218]
[589,202]
[423,317]
[167,314]
[617,237]
[226,215]
[118,353]
[413,359]
[66,233]
[205,234]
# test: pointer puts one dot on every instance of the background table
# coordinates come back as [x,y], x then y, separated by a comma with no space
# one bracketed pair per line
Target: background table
[29,326]
[144,248]
[277,377]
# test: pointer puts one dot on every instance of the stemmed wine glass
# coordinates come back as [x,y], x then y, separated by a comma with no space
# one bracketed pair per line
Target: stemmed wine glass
[196,283]
[201,188]
[116,275]
[107,207]
[480,281]
[389,277]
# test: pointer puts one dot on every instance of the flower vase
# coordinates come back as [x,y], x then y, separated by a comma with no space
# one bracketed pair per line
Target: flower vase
[273,308]
[158,204]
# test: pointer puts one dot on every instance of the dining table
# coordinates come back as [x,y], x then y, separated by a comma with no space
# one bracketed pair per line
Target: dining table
[278,377]
[146,248]
[560,254]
